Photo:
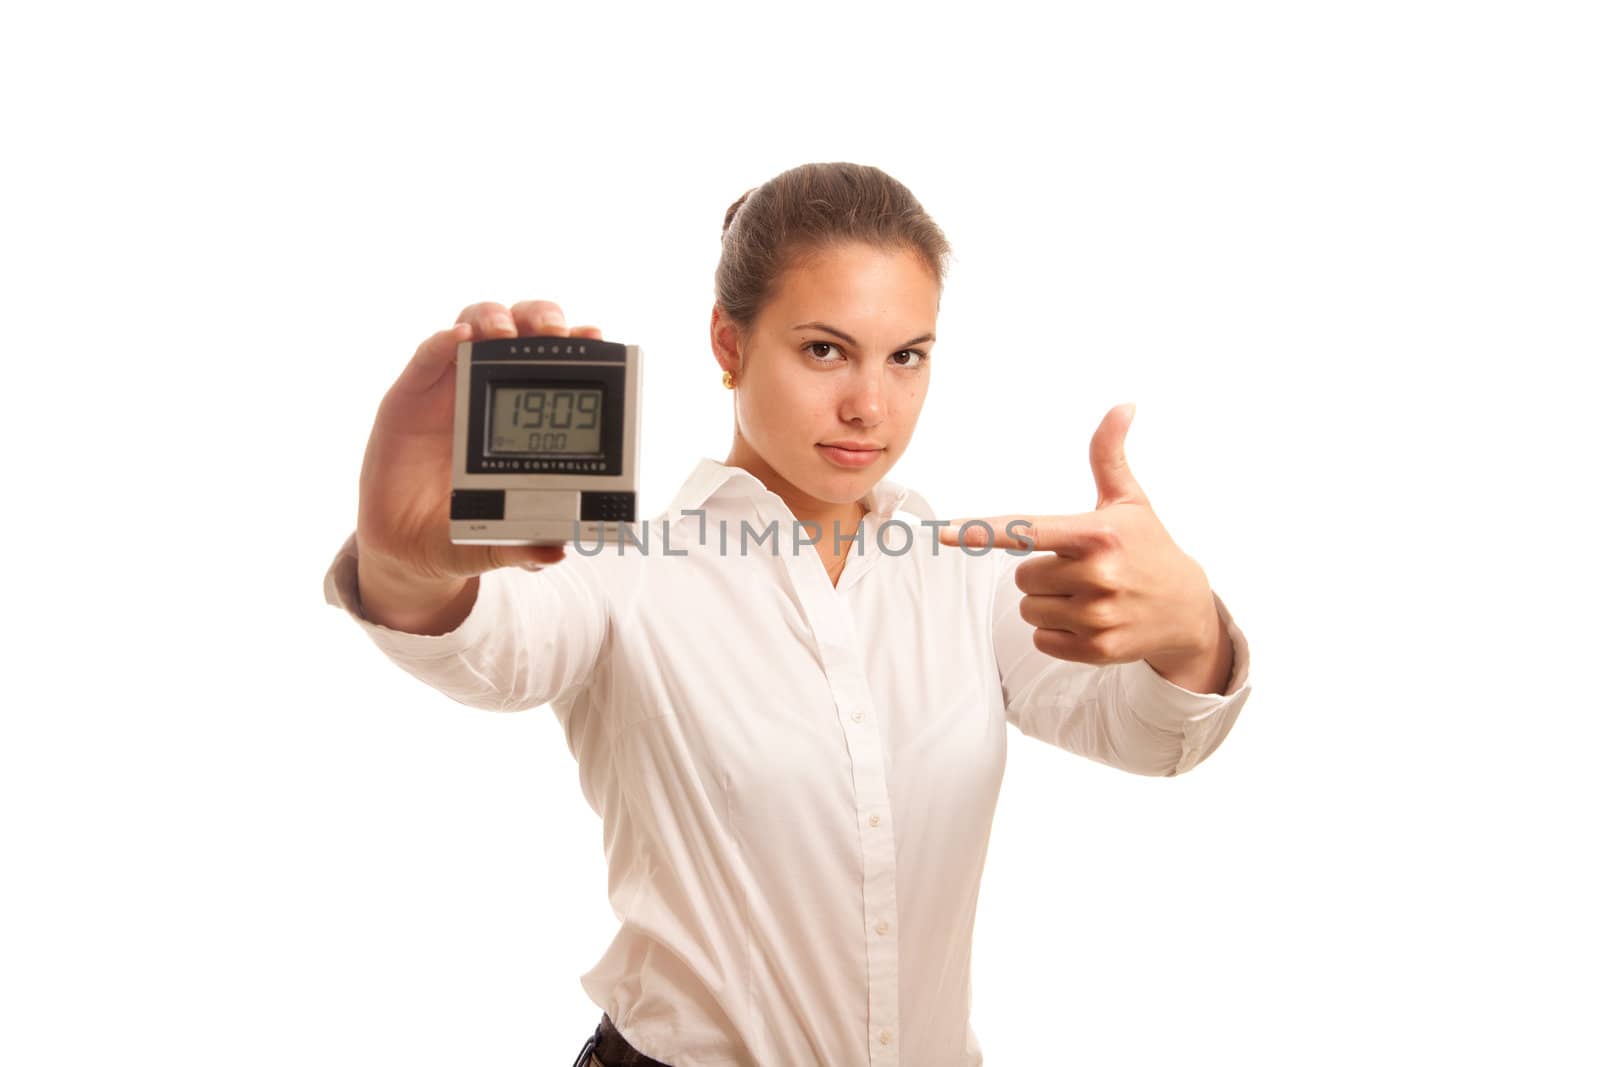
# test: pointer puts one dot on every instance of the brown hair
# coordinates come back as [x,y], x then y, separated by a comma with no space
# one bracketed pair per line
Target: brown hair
[806,210]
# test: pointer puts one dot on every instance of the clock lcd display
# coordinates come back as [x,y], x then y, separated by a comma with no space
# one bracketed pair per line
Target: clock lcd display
[544,420]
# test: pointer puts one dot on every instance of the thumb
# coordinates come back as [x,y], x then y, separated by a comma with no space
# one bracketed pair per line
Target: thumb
[1113,479]
[526,557]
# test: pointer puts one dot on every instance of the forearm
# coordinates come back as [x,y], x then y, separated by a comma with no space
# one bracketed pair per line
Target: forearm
[410,604]
[1207,671]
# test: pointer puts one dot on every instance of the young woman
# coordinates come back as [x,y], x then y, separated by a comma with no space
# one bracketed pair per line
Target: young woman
[795,735]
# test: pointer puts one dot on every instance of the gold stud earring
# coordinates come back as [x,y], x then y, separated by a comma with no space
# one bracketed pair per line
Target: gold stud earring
[727,379]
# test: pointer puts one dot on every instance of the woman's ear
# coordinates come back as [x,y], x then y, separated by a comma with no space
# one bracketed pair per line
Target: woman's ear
[725,341]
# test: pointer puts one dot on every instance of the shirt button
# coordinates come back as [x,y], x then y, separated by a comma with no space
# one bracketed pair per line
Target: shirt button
[883,1038]
[857,715]
[883,926]
[873,820]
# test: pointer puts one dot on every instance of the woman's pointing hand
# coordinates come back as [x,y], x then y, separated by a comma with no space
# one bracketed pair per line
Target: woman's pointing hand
[1111,586]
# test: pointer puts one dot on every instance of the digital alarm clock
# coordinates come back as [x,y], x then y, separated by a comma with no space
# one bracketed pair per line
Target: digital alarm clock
[546,444]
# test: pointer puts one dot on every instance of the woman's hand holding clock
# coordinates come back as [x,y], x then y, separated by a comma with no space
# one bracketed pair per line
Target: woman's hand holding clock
[412,576]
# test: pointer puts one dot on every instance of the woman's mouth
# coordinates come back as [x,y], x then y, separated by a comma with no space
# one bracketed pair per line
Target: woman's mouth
[850,456]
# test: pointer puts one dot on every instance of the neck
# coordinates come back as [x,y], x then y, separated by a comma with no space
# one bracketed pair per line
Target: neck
[803,506]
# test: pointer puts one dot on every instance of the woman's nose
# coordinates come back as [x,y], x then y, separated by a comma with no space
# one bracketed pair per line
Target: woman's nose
[864,399]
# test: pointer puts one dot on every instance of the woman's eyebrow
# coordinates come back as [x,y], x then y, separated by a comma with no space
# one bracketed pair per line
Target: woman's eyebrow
[847,339]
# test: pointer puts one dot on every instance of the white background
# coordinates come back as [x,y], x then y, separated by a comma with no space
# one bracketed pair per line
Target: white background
[1343,256]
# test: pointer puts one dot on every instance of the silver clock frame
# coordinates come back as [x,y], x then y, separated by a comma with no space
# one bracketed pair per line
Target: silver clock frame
[543,508]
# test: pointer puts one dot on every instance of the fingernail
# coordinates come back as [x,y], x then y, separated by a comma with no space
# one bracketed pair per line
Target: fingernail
[550,319]
[502,322]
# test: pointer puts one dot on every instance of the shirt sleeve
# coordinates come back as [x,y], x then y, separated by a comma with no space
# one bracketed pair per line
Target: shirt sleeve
[530,637]
[1125,715]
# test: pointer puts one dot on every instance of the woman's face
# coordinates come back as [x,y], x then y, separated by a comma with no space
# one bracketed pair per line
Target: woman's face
[831,378]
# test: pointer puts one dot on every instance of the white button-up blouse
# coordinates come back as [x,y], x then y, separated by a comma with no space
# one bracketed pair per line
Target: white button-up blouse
[796,780]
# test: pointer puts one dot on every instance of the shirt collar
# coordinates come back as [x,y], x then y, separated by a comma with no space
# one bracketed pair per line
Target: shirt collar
[713,478]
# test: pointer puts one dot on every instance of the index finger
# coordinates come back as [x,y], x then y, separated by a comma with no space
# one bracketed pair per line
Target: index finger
[1065,535]
[433,357]
[539,318]
[488,319]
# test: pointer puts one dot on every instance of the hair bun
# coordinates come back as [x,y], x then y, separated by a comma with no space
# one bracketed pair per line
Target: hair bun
[811,208]
[727,220]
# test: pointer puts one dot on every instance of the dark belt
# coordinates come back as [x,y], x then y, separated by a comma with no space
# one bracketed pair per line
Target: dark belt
[612,1049]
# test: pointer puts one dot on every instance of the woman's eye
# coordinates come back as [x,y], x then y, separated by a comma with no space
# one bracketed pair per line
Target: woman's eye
[921,356]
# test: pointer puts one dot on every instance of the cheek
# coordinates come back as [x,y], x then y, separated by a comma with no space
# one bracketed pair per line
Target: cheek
[910,402]
[777,421]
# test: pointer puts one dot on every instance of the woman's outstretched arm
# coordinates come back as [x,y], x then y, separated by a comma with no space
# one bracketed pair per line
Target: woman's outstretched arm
[528,637]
